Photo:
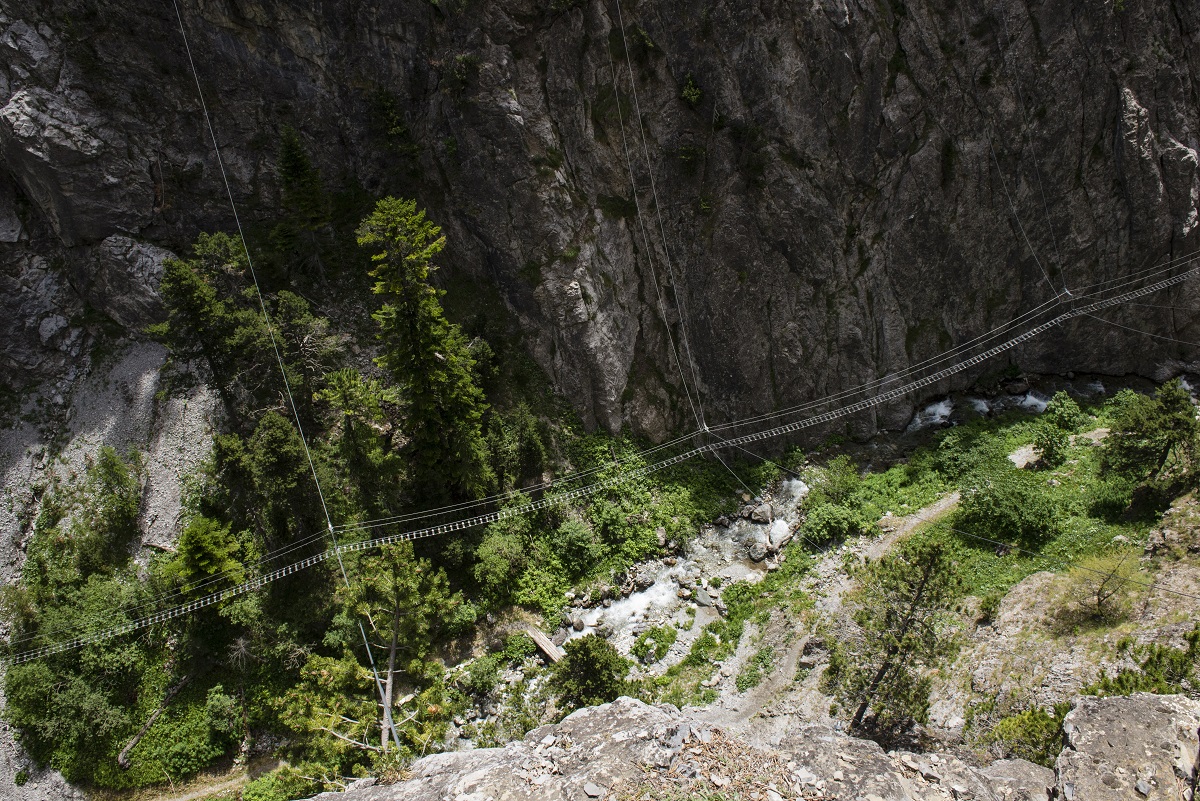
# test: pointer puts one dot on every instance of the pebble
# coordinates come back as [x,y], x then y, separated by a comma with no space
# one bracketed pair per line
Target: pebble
[593,790]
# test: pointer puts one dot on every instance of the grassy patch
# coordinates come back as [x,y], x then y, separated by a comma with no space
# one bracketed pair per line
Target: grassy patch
[757,668]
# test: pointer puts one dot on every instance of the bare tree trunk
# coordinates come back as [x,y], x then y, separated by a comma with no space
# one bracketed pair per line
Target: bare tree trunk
[123,757]
[391,672]
[872,688]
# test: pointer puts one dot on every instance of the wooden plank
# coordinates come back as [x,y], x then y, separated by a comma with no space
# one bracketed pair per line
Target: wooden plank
[552,651]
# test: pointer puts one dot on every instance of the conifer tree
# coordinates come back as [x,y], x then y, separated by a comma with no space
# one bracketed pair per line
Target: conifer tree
[1152,435]
[427,355]
[409,604]
[901,615]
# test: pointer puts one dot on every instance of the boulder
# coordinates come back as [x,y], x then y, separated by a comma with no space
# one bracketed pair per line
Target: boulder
[1140,746]
[779,535]
[124,281]
[762,513]
[617,748]
[1018,780]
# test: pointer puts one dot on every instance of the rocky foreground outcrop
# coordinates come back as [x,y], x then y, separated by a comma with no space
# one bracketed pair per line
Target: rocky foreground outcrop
[1143,746]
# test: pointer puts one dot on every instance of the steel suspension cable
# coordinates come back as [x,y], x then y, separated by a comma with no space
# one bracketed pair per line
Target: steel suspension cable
[274,344]
[461,525]
[658,213]
[645,237]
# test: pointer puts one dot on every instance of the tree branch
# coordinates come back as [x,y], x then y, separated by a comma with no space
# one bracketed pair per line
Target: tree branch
[350,740]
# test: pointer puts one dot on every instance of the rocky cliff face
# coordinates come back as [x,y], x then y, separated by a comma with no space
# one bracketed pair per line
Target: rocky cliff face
[1143,746]
[832,191]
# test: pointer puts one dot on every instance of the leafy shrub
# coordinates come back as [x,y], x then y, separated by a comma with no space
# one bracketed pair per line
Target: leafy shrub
[283,784]
[829,523]
[518,646]
[578,548]
[758,668]
[967,451]
[1161,669]
[482,675]
[591,673]
[653,644]
[989,606]
[1008,505]
[1051,444]
[1034,734]
[1064,413]
[222,711]
[834,483]
[1110,497]
[692,94]
[501,559]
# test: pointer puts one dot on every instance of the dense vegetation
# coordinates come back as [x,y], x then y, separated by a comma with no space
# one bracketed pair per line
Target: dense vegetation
[448,411]
[1076,511]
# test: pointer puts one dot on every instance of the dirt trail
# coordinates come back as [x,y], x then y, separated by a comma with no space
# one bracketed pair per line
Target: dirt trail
[208,791]
[829,570]
[735,710]
[777,694]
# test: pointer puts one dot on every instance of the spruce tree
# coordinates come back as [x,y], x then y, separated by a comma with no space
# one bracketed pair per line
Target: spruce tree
[427,355]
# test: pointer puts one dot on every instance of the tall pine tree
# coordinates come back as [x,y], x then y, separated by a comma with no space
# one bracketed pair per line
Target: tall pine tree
[427,355]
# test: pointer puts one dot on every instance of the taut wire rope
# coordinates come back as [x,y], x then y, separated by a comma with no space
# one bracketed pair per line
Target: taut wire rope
[645,237]
[658,213]
[275,345]
[460,525]
[1037,170]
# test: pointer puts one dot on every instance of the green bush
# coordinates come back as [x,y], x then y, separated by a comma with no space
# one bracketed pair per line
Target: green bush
[989,606]
[591,673]
[283,784]
[692,94]
[501,559]
[1161,669]
[1034,734]
[1010,506]
[653,644]
[1064,413]
[482,675]
[968,450]
[827,523]
[518,646]
[758,668]
[578,548]
[834,483]
[1109,498]
[1051,445]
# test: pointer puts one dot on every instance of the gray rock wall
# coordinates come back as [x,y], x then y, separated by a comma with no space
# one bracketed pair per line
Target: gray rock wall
[835,204]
